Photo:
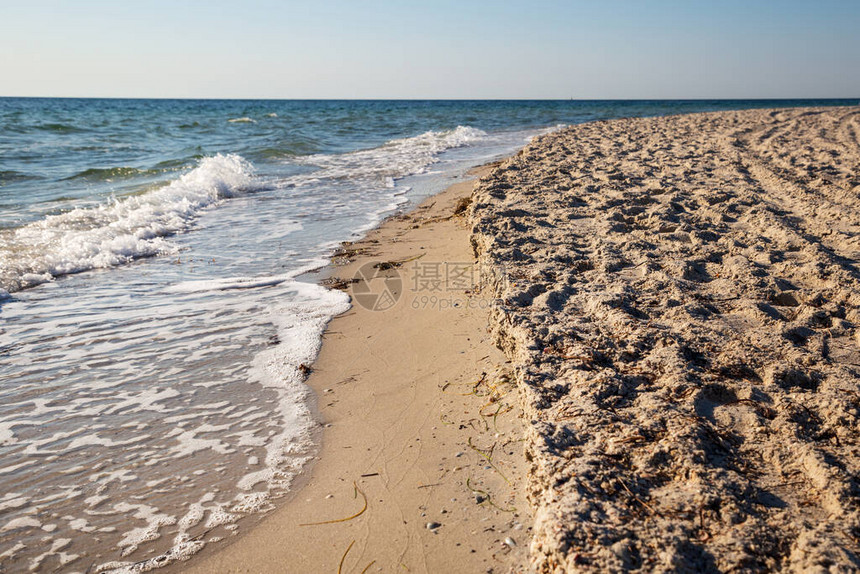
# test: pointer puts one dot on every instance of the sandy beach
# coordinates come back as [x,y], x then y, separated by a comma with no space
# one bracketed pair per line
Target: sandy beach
[430,287]
[653,365]
[422,463]
[681,303]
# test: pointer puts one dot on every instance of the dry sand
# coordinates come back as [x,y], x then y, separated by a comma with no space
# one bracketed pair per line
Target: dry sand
[422,419]
[681,306]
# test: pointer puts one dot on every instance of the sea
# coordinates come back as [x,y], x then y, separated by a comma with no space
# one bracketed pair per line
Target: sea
[158,298]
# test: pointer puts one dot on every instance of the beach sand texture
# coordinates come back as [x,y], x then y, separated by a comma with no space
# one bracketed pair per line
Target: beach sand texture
[681,306]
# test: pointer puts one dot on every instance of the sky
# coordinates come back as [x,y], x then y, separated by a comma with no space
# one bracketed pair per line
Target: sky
[542,49]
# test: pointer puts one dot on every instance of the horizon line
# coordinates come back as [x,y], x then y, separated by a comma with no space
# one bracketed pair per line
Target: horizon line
[270,99]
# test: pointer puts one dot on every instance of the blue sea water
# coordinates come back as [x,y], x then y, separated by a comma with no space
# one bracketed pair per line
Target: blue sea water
[153,319]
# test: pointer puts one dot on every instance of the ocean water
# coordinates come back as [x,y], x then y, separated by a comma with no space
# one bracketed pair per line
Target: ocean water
[155,307]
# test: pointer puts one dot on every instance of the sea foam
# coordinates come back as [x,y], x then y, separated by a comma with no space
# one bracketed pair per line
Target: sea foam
[395,159]
[120,230]
[300,320]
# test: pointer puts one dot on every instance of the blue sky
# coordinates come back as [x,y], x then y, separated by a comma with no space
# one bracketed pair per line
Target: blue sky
[431,49]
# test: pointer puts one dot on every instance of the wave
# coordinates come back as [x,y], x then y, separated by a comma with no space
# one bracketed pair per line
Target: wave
[9,176]
[117,232]
[137,226]
[111,173]
[392,160]
[177,163]
[59,128]
[245,120]
[294,148]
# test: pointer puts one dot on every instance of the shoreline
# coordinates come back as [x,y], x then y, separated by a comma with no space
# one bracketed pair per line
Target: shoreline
[676,304]
[429,434]
[679,318]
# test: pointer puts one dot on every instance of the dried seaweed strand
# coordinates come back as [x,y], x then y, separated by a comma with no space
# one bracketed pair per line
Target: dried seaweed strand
[499,411]
[487,498]
[475,386]
[489,459]
[348,518]
[343,558]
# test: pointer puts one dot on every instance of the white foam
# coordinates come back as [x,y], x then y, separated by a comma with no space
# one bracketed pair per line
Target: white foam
[300,322]
[14,550]
[219,517]
[250,438]
[21,522]
[137,536]
[190,443]
[80,525]
[122,475]
[95,500]
[58,545]
[13,467]
[226,284]
[146,401]
[7,436]
[116,232]
[96,440]
[13,501]
[244,120]
[233,283]
[394,159]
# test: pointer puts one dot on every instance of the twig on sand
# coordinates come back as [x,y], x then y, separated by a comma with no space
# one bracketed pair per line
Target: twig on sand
[366,568]
[356,515]
[637,499]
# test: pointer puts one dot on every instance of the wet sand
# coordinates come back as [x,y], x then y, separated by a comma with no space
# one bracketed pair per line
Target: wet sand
[421,420]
